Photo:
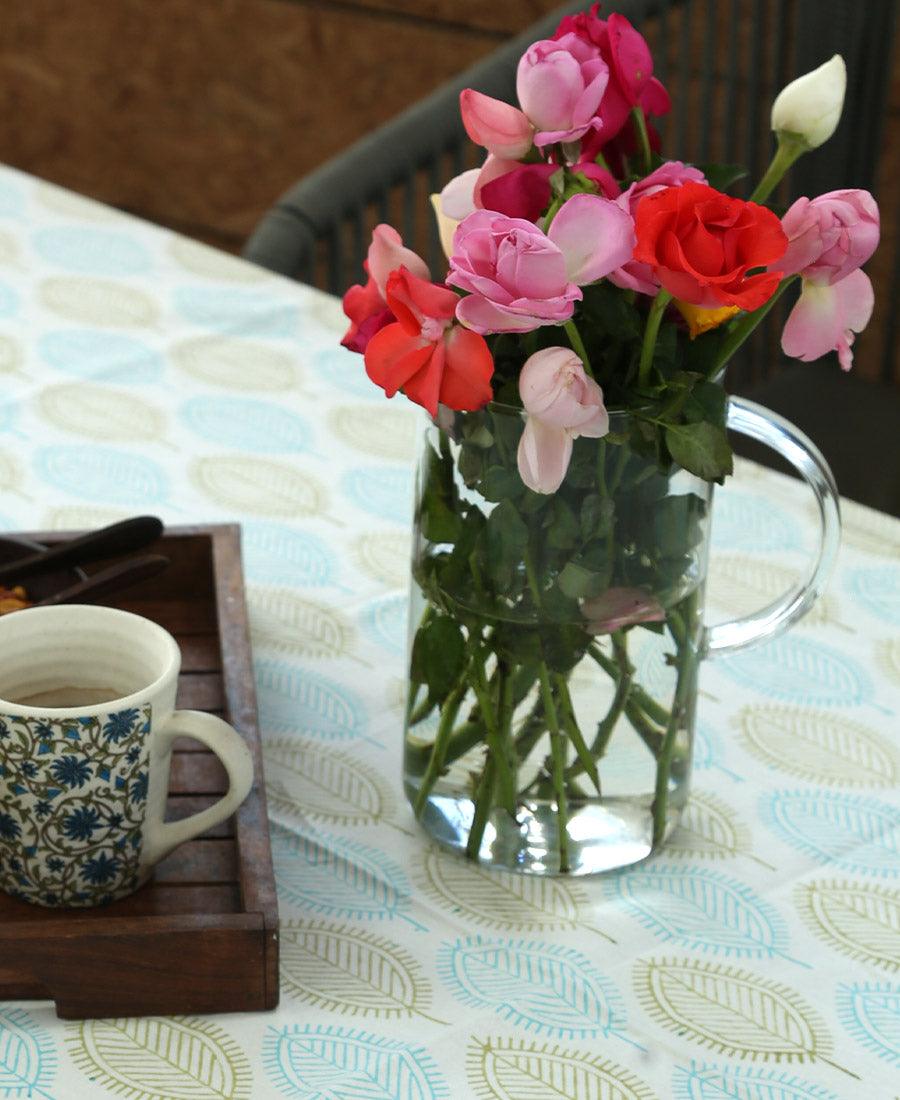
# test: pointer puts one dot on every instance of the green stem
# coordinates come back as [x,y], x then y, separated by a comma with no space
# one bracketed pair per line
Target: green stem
[654,317]
[687,661]
[639,697]
[640,126]
[745,327]
[578,345]
[484,797]
[789,149]
[602,161]
[588,762]
[439,749]
[558,755]
[499,751]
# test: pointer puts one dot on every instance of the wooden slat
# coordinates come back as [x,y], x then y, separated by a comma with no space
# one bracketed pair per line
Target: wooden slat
[180,806]
[200,861]
[200,653]
[197,773]
[200,691]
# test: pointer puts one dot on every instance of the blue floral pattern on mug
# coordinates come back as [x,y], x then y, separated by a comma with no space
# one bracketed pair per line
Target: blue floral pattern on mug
[73,793]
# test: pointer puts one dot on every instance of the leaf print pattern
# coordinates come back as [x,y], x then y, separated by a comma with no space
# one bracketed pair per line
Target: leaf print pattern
[236,364]
[819,746]
[340,878]
[200,259]
[99,302]
[384,556]
[385,493]
[742,584]
[345,970]
[502,900]
[701,910]
[27,1057]
[151,1058]
[390,435]
[541,986]
[869,531]
[708,829]
[242,483]
[871,1013]
[281,619]
[302,702]
[104,474]
[709,1082]
[91,355]
[797,670]
[245,424]
[749,522]
[98,412]
[858,919]
[887,654]
[384,620]
[732,1011]
[93,251]
[11,355]
[304,779]
[278,554]
[10,474]
[518,1069]
[310,1063]
[852,832]
[877,589]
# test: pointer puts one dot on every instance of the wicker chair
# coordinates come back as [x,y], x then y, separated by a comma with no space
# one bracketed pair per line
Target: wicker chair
[723,61]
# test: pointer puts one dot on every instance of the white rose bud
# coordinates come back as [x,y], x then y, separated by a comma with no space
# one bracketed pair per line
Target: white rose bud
[810,107]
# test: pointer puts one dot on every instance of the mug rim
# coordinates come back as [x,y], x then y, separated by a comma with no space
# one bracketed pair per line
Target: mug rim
[122,702]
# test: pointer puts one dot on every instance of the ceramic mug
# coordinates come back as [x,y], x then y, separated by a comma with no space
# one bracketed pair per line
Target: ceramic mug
[87,722]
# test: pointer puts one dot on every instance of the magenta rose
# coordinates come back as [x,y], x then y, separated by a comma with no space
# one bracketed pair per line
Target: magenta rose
[523,191]
[635,275]
[560,84]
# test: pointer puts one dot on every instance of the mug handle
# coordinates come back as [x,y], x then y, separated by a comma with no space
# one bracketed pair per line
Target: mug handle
[160,837]
[767,427]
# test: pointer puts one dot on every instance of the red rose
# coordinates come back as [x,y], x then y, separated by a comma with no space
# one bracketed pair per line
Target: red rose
[701,244]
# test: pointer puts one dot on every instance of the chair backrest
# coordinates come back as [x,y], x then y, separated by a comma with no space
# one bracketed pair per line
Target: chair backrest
[723,62]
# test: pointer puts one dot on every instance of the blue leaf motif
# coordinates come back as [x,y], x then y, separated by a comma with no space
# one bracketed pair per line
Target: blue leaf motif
[27,1056]
[384,621]
[277,554]
[708,751]
[104,356]
[701,910]
[856,833]
[245,424]
[101,473]
[347,372]
[9,414]
[385,492]
[9,301]
[12,200]
[336,1063]
[237,310]
[92,250]
[798,670]
[710,1082]
[747,521]
[877,588]
[292,700]
[340,878]
[871,1013]
[540,986]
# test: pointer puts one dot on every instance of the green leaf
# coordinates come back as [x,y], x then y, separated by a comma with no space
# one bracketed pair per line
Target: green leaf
[500,483]
[708,401]
[438,656]
[561,524]
[722,176]
[701,449]
[579,582]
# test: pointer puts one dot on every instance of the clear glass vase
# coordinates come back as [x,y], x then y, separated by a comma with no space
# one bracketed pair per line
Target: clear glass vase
[555,640]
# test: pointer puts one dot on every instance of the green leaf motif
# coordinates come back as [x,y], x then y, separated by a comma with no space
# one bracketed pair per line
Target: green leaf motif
[887,654]
[516,1069]
[391,435]
[502,900]
[818,745]
[150,1058]
[345,970]
[99,412]
[384,556]
[858,919]
[242,483]
[709,830]
[734,1012]
[287,623]
[305,779]
[741,584]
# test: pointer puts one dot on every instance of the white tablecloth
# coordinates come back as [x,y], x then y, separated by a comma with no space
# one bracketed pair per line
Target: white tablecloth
[755,959]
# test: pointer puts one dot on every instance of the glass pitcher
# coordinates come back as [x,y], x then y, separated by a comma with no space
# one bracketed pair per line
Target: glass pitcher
[555,639]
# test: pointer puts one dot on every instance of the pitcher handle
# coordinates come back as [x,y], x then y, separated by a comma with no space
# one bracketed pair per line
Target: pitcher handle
[767,427]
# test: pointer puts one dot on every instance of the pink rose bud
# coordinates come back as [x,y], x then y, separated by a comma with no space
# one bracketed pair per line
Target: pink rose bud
[501,128]
[560,84]
[830,236]
[387,253]
[618,607]
[562,404]
[826,318]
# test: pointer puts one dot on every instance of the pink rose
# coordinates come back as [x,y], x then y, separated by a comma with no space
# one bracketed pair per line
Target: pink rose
[630,64]
[635,275]
[830,236]
[826,318]
[618,607]
[519,278]
[501,128]
[562,403]
[560,84]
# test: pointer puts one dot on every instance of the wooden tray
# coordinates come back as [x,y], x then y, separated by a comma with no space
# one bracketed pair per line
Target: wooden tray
[203,935]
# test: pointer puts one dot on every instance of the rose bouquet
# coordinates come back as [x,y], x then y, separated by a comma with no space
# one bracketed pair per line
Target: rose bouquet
[571,363]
